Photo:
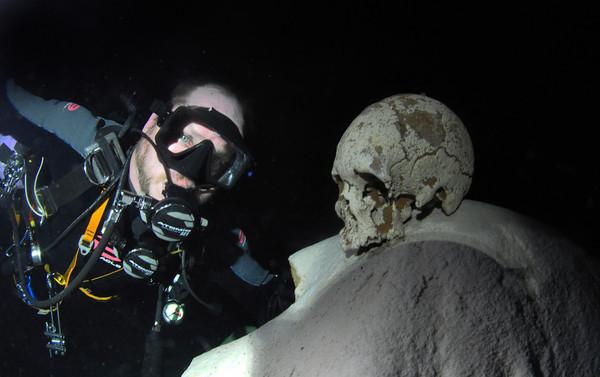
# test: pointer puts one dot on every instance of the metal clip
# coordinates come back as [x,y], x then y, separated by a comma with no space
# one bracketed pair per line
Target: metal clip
[84,246]
[56,340]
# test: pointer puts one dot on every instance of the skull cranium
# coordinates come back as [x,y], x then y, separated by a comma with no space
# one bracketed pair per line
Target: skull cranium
[399,157]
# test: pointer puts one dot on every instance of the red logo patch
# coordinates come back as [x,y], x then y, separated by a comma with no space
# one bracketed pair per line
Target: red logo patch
[72,106]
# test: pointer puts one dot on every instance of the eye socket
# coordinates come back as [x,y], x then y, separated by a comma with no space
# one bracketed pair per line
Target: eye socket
[373,184]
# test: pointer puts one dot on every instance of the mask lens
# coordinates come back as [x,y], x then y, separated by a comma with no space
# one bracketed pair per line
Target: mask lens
[202,163]
[238,162]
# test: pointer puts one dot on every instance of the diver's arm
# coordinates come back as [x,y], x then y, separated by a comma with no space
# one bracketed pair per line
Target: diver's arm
[73,124]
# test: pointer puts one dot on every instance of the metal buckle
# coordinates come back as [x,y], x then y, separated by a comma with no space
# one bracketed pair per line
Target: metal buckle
[85,247]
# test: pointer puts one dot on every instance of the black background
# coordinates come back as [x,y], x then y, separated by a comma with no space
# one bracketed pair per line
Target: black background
[521,77]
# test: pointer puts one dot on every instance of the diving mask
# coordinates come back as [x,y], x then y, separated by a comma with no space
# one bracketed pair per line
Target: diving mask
[202,163]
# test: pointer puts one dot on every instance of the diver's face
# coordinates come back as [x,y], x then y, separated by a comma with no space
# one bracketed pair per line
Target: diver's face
[151,174]
[147,174]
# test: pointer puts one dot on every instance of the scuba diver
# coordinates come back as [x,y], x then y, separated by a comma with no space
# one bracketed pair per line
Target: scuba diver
[151,221]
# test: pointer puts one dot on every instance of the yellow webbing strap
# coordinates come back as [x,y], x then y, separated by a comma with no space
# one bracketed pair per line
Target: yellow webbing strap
[88,293]
[86,242]
[87,239]
[64,281]
[71,268]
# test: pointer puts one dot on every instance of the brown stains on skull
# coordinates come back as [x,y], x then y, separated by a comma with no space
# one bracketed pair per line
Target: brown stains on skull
[400,124]
[430,182]
[403,202]
[387,224]
[409,101]
[382,213]
[377,197]
[376,164]
[427,126]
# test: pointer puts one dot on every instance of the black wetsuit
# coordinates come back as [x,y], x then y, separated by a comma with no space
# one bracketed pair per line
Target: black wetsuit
[220,256]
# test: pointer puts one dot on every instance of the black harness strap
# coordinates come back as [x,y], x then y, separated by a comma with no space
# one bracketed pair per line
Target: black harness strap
[65,190]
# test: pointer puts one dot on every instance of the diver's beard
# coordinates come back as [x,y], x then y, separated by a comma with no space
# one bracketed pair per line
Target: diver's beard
[145,177]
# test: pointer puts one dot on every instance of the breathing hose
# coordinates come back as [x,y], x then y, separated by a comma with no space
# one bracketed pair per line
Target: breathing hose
[51,301]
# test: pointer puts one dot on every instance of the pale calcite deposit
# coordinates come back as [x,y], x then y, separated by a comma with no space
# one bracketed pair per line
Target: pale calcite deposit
[484,292]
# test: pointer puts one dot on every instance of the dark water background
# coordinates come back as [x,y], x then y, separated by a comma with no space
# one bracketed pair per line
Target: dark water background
[522,79]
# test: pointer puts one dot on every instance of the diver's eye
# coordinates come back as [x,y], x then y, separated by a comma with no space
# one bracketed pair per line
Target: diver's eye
[185,140]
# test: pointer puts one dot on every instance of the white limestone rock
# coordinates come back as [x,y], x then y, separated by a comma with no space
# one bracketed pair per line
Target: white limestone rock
[484,292]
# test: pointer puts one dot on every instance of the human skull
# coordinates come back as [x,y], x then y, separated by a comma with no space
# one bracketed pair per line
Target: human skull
[399,157]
